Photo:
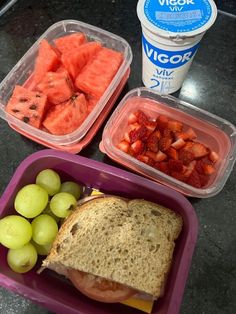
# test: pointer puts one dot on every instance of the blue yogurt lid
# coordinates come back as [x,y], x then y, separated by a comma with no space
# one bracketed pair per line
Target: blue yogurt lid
[178,18]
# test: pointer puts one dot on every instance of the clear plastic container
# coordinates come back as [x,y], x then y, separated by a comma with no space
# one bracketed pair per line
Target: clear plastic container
[214,132]
[22,73]
[55,292]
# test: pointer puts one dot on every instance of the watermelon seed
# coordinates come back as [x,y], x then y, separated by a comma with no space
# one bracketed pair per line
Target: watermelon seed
[33,107]
[26,119]
[74,97]
[37,95]
[15,110]
[22,99]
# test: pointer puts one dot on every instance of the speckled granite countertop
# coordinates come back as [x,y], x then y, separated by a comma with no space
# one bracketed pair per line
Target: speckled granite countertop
[210,84]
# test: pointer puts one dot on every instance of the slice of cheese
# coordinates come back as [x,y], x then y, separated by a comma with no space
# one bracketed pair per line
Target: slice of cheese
[142,305]
[96,192]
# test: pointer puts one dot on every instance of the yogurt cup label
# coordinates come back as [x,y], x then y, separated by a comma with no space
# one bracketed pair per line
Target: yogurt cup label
[165,70]
[166,58]
[179,16]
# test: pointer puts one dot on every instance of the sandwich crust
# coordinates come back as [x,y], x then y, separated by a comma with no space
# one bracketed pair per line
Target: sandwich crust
[127,241]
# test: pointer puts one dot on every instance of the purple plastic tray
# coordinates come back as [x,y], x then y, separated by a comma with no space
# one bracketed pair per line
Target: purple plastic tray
[55,292]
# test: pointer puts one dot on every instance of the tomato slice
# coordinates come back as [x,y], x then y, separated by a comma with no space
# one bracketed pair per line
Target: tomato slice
[98,288]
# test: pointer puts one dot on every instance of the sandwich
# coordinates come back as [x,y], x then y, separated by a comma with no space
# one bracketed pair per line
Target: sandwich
[112,248]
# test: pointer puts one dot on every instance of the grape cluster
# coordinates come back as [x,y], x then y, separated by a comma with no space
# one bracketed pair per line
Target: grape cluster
[39,209]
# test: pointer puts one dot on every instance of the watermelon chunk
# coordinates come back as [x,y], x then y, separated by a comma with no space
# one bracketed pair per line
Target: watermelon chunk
[57,86]
[91,101]
[75,59]
[61,69]
[67,117]
[69,42]
[47,60]
[27,106]
[96,76]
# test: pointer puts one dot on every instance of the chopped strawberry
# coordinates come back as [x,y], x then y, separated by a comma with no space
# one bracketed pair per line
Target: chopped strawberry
[178,144]
[157,134]
[151,162]
[197,149]
[162,166]
[126,137]
[178,175]
[132,118]
[199,166]
[149,159]
[151,126]
[172,153]
[214,157]
[185,156]
[164,143]
[181,135]
[134,126]
[160,156]
[190,168]
[138,134]
[191,134]
[175,126]
[175,165]
[188,135]
[168,133]
[204,179]
[151,155]
[144,158]
[194,179]
[141,117]
[208,169]
[124,146]
[138,147]
[152,143]
[162,122]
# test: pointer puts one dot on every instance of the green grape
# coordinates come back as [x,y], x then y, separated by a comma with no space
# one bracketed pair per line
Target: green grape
[15,231]
[23,259]
[49,180]
[72,188]
[42,249]
[62,203]
[44,229]
[31,200]
[48,211]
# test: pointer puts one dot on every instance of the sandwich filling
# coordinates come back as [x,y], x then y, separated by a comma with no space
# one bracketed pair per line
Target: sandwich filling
[98,288]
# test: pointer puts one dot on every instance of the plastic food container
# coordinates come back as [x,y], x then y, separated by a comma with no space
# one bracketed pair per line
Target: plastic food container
[53,291]
[214,132]
[22,72]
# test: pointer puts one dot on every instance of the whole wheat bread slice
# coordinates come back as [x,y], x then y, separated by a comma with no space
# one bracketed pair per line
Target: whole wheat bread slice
[130,242]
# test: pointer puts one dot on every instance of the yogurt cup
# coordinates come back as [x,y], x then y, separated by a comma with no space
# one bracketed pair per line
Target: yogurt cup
[171,34]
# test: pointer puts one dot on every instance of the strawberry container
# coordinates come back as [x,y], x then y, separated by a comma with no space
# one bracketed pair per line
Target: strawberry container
[55,292]
[22,74]
[215,133]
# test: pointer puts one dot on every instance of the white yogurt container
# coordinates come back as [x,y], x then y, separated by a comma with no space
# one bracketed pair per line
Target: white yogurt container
[172,30]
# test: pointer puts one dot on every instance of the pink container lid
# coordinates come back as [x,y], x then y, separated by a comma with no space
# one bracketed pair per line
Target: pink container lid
[55,292]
